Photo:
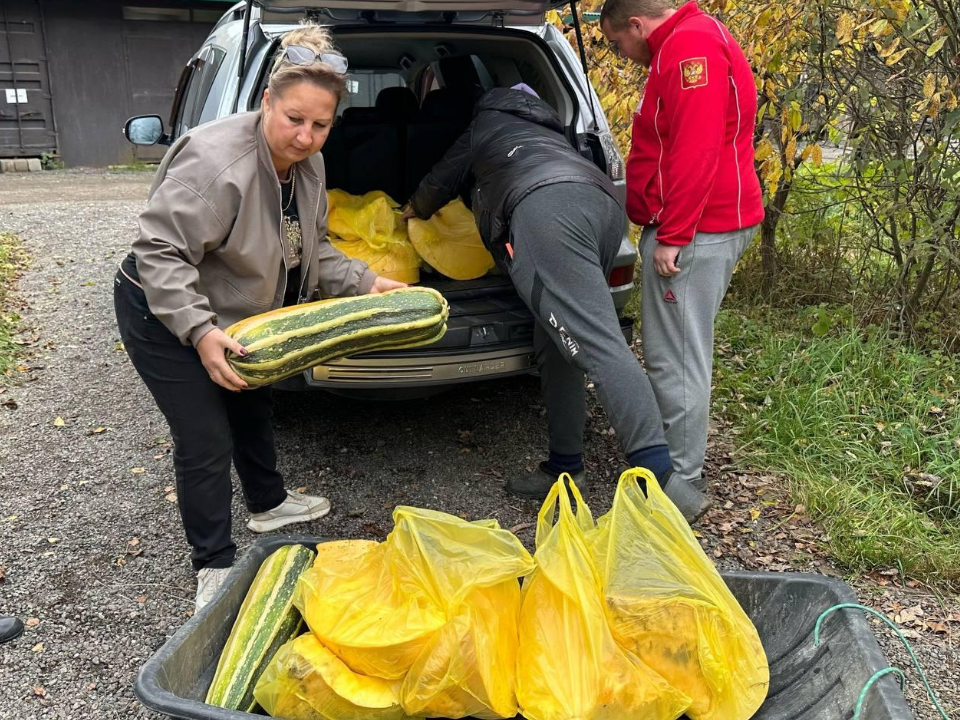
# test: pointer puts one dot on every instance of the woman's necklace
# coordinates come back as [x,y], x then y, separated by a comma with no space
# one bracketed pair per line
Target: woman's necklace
[291,227]
[293,187]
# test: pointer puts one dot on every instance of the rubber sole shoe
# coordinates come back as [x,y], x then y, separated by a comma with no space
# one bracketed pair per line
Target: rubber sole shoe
[691,502]
[209,582]
[296,508]
[10,628]
[536,485]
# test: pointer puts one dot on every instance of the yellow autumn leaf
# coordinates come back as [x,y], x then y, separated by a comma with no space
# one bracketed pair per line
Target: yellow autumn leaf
[138,470]
[59,422]
[817,156]
[935,47]
[896,57]
[879,27]
[890,49]
[763,151]
[929,86]
[754,514]
[845,28]
[791,152]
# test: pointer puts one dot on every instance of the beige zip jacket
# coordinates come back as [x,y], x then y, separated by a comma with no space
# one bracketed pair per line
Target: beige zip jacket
[210,251]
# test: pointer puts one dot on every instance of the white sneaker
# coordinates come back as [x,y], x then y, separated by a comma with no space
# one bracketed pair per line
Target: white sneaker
[209,581]
[296,508]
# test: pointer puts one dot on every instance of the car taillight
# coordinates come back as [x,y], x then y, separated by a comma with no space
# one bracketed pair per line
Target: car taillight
[621,276]
[615,166]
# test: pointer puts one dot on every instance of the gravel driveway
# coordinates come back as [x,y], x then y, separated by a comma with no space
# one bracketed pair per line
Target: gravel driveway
[89,532]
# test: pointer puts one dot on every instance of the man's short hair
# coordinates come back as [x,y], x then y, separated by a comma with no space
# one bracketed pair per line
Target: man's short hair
[618,12]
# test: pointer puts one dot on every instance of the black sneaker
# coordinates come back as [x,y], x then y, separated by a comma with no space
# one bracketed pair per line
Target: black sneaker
[536,485]
[10,628]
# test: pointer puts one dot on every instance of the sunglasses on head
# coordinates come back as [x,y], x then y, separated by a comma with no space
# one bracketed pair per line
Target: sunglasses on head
[300,55]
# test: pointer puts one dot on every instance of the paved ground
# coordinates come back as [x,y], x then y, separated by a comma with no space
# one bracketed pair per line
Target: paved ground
[90,543]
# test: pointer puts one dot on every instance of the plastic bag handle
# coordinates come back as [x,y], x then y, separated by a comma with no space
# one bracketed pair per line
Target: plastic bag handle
[559,493]
[629,484]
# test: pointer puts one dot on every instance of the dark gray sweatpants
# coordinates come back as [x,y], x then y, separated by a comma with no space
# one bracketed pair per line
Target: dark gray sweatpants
[565,239]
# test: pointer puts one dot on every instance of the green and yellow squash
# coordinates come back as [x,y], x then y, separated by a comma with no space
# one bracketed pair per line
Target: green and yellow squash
[284,342]
[266,621]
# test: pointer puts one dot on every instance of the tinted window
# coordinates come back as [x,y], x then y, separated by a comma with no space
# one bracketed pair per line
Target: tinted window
[205,68]
[363,86]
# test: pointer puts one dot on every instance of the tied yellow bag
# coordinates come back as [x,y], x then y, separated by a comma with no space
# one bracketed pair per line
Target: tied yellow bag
[450,243]
[668,605]
[569,665]
[305,681]
[435,606]
[370,228]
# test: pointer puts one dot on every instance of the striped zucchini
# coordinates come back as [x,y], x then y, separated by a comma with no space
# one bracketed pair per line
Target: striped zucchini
[267,619]
[284,342]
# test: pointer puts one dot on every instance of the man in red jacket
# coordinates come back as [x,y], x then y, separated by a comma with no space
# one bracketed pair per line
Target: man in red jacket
[691,184]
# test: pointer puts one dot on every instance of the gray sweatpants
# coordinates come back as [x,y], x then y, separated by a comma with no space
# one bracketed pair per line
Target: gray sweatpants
[677,319]
[565,239]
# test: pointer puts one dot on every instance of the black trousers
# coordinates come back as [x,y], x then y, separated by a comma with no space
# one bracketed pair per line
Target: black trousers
[209,426]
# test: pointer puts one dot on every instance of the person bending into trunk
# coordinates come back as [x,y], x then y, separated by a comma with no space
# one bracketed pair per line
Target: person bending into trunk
[552,221]
[235,225]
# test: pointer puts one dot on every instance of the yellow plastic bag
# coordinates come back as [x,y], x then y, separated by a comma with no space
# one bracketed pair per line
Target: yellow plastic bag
[667,604]
[370,228]
[359,611]
[450,243]
[305,681]
[436,605]
[569,665]
[470,570]
[469,667]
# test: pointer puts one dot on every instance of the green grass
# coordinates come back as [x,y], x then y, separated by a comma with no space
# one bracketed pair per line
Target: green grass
[12,259]
[134,166]
[865,428]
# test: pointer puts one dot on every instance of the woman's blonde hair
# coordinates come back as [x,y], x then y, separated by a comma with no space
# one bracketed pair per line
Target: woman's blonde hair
[284,73]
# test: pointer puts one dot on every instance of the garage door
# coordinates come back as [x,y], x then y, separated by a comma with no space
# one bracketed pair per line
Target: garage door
[27,125]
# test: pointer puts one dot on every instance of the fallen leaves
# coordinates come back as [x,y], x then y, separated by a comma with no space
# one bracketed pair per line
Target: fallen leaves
[38,648]
[59,422]
[138,470]
[32,622]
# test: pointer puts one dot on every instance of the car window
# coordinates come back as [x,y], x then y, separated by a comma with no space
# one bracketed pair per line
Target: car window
[211,105]
[205,67]
[363,86]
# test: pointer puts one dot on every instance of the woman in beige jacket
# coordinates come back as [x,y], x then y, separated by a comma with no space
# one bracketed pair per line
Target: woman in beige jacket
[235,225]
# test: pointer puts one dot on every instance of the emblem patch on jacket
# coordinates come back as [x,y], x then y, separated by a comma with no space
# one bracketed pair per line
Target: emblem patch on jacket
[693,73]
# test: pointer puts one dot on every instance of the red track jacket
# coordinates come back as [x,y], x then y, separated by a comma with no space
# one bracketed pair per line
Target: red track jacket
[690,166]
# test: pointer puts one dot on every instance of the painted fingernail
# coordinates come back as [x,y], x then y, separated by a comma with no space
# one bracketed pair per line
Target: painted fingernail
[243,352]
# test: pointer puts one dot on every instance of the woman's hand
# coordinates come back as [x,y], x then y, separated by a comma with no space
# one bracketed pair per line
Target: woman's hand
[211,349]
[382,284]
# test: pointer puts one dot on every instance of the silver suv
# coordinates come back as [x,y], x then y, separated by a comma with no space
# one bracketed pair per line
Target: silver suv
[407,58]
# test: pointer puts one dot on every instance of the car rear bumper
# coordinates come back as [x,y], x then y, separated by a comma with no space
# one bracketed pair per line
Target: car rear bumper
[409,369]
[386,371]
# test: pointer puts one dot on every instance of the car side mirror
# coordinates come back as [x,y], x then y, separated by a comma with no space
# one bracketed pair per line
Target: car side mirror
[146,130]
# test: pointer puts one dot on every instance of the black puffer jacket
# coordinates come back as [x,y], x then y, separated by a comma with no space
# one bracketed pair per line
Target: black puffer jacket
[514,145]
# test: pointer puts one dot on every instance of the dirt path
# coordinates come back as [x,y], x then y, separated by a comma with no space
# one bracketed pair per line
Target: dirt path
[90,542]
